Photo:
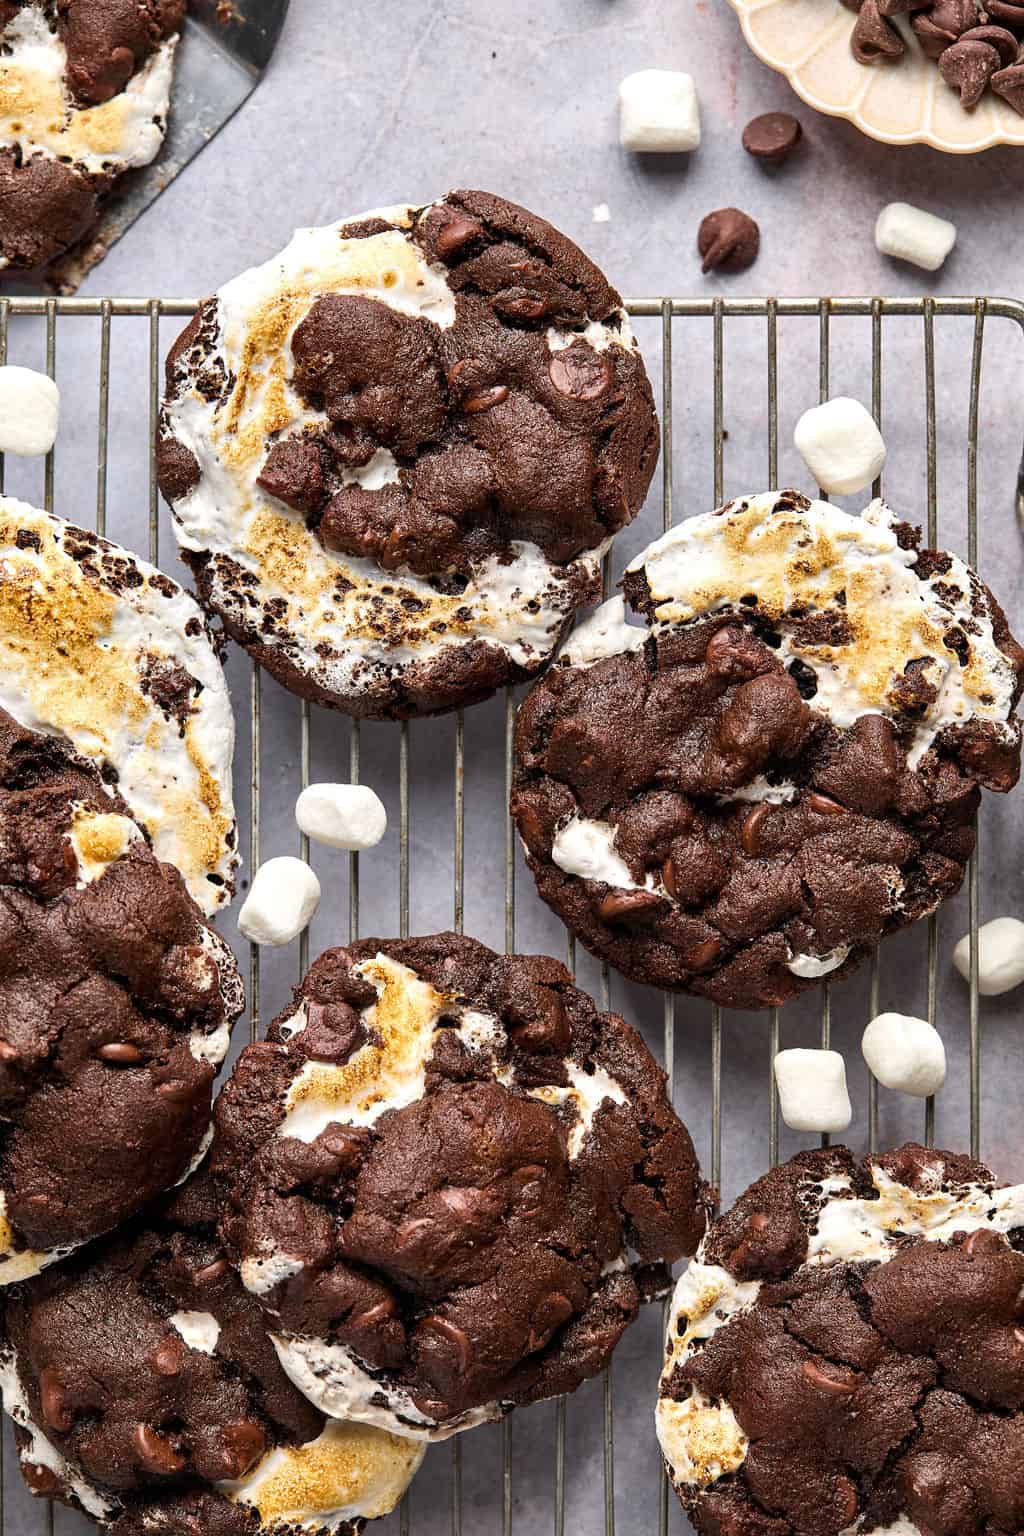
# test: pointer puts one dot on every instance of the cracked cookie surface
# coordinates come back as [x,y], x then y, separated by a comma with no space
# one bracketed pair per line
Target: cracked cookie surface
[144,1390]
[117,1005]
[845,1354]
[84,94]
[397,452]
[780,761]
[438,1162]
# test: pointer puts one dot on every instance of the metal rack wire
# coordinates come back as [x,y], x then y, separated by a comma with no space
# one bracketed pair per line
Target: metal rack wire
[673,315]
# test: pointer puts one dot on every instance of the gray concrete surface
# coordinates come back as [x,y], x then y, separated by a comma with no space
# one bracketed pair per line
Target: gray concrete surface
[370,102]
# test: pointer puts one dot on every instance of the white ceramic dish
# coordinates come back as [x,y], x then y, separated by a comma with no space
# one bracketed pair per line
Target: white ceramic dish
[808,41]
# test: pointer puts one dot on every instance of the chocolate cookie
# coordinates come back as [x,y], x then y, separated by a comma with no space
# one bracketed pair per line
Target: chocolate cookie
[846,1355]
[116,1004]
[104,651]
[438,1161]
[780,761]
[397,452]
[84,92]
[145,1391]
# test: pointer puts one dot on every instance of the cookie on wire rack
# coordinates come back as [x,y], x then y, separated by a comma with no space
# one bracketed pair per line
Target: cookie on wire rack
[778,760]
[85,89]
[117,1005]
[104,652]
[452,1181]
[397,452]
[145,1392]
[845,1357]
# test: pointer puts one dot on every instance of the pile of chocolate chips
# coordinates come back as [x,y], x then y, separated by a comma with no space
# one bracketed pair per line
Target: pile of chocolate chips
[976,43]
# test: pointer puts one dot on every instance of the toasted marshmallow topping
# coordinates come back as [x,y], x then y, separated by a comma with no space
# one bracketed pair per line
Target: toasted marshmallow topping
[87,645]
[821,559]
[376,1077]
[99,841]
[853,1230]
[350,1472]
[701,1440]
[348,622]
[38,116]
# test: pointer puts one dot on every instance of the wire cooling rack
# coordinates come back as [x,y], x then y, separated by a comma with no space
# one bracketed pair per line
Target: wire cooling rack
[731,376]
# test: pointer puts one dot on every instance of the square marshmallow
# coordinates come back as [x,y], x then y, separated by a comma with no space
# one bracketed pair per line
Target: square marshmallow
[1000,956]
[29,412]
[282,899]
[912,234]
[659,112]
[841,445]
[812,1090]
[905,1054]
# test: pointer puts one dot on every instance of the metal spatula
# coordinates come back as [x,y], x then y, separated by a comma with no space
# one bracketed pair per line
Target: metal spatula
[226,47]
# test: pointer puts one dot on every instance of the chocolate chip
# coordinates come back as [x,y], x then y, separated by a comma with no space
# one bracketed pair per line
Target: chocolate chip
[1004,42]
[824,805]
[209,1274]
[552,1312]
[1009,84]
[580,372]
[242,1445]
[157,1453]
[629,906]
[773,136]
[520,306]
[728,240]
[750,828]
[830,1379]
[455,234]
[547,1031]
[480,400]
[175,1091]
[53,1396]
[968,67]
[873,37]
[121,1053]
[454,1335]
[702,956]
[169,1356]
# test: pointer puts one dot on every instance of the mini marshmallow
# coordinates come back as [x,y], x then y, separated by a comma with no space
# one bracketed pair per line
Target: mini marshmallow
[905,1054]
[341,815]
[659,112]
[282,899]
[29,412]
[812,1090]
[1000,956]
[912,234]
[601,213]
[841,445]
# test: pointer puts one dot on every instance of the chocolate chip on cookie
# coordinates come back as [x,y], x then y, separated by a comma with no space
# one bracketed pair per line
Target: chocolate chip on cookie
[439,1161]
